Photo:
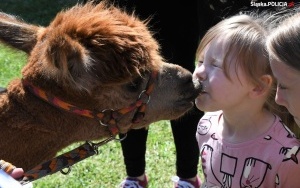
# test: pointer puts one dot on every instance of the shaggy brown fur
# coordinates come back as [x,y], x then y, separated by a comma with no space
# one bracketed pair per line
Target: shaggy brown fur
[95,57]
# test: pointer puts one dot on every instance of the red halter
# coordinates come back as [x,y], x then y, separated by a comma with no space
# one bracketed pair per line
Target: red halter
[112,115]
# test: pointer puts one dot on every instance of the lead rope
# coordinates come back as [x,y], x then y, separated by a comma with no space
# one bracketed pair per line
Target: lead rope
[64,161]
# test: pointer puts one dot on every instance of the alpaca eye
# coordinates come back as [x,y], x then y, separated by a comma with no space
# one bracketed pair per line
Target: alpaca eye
[135,85]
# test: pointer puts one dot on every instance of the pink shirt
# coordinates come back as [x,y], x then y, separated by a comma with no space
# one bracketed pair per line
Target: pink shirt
[270,160]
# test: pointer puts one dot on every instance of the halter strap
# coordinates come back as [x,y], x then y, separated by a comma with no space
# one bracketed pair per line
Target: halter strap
[140,105]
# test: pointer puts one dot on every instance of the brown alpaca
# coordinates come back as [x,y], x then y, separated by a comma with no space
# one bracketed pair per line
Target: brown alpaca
[95,57]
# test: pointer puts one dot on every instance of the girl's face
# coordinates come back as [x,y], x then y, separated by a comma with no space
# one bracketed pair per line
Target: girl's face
[220,93]
[288,88]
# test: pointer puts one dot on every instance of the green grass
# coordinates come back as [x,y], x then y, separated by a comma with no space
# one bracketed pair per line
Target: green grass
[107,169]
[11,62]
[39,12]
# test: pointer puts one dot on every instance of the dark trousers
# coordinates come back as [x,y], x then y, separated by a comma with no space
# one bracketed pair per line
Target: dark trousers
[187,151]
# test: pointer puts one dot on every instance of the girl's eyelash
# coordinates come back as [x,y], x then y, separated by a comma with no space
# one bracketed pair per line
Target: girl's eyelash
[215,64]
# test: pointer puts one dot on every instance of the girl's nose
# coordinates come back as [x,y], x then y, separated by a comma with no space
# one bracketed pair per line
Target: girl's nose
[279,98]
[200,73]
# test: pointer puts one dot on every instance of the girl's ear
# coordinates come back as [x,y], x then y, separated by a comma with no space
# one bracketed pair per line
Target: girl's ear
[264,86]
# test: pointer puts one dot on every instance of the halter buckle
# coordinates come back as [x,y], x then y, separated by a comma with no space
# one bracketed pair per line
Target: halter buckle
[144,97]
[106,112]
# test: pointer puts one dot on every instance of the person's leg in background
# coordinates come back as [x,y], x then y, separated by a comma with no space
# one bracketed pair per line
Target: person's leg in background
[179,40]
[134,150]
[134,146]
[187,151]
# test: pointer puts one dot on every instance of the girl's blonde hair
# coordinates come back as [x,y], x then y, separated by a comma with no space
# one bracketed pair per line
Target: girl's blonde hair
[245,36]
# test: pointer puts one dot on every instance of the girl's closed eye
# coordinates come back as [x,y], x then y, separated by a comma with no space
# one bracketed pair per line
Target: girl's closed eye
[216,64]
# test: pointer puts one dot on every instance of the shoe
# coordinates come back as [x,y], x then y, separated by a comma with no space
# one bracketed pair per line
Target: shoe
[134,183]
[28,185]
[183,183]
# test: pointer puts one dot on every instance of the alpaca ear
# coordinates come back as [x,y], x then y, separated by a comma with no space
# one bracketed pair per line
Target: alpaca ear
[70,60]
[18,34]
